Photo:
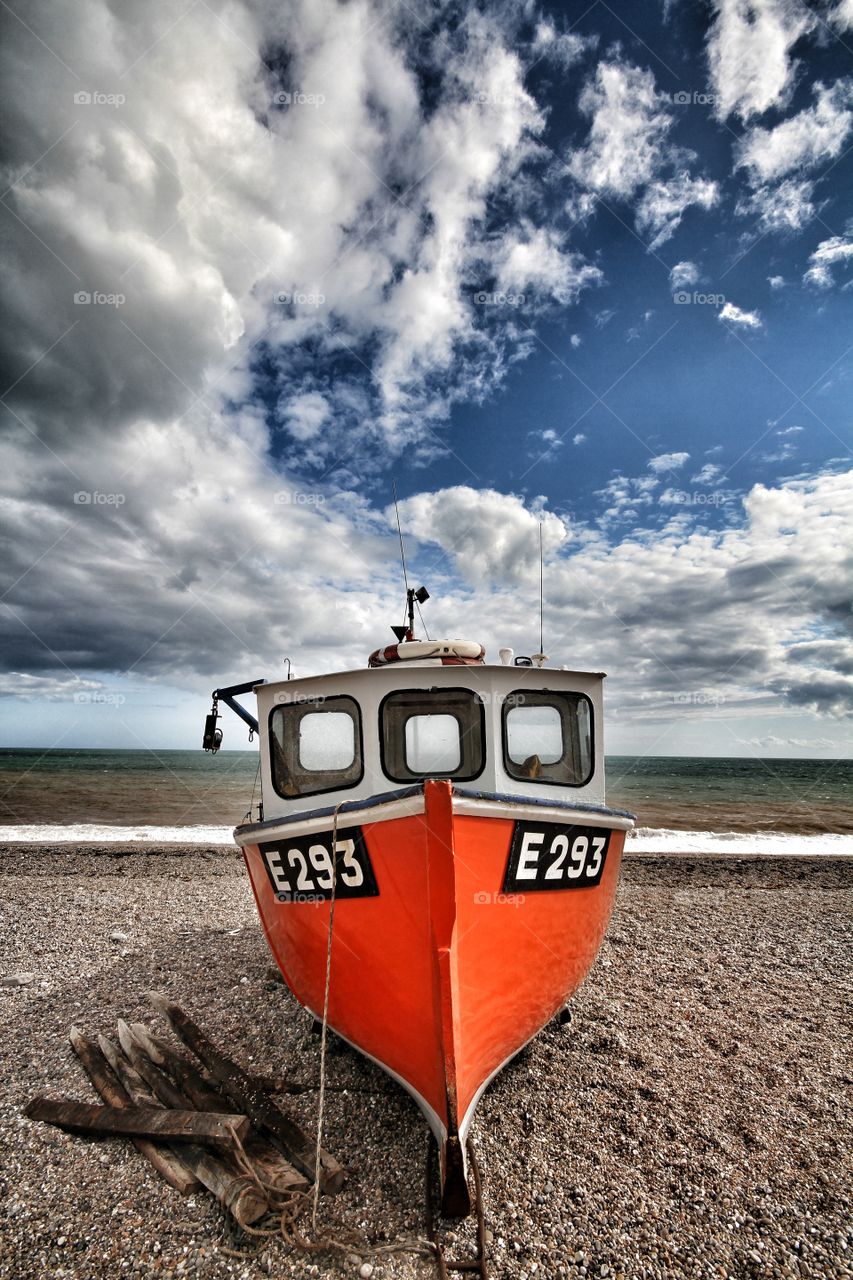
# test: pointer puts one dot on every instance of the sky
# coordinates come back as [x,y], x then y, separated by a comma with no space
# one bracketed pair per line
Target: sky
[578,268]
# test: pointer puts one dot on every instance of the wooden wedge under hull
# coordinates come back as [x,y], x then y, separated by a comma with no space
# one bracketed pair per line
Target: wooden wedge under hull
[462,925]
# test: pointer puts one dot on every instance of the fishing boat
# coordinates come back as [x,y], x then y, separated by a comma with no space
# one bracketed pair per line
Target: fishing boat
[434,827]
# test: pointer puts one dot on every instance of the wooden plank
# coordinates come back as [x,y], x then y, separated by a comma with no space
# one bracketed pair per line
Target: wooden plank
[245,1096]
[220,1174]
[269,1162]
[170,1167]
[145,1122]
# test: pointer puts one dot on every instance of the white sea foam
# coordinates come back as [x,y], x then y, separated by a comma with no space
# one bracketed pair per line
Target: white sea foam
[652,840]
[643,840]
[95,833]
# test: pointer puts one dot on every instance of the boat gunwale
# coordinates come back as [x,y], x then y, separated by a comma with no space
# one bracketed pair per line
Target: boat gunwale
[244,831]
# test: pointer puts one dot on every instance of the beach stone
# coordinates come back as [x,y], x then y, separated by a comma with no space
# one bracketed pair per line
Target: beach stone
[118,936]
[17,980]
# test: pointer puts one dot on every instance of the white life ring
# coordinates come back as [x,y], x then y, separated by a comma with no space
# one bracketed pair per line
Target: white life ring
[447,653]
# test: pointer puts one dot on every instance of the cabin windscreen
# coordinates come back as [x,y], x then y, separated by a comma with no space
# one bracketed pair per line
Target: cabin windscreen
[432,733]
[315,746]
[547,737]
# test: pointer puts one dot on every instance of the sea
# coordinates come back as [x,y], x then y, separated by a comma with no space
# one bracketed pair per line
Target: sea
[681,804]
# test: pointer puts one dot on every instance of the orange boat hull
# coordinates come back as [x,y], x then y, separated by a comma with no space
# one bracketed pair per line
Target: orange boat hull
[443,975]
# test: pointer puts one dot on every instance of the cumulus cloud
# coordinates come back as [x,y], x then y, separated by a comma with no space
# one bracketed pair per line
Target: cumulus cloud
[841,17]
[278,235]
[629,154]
[707,474]
[682,275]
[783,209]
[488,536]
[662,205]
[563,48]
[778,159]
[537,259]
[667,462]
[811,137]
[749,54]
[734,315]
[837,251]
[676,608]
[266,190]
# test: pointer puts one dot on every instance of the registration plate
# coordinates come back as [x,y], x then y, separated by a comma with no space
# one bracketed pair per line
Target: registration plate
[548,855]
[300,868]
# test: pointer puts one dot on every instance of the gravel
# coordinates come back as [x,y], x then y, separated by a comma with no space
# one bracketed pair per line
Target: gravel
[691,1120]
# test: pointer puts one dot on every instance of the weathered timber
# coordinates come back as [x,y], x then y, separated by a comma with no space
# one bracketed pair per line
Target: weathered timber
[130,1078]
[156,1080]
[220,1174]
[244,1094]
[170,1166]
[272,1167]
[145,1122]
[185,1074]
[188,1075]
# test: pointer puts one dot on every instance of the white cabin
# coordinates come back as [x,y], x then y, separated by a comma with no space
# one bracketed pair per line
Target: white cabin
[510,732]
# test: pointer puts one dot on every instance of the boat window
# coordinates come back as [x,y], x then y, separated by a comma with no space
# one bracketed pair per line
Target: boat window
[548,737]
[316,746]
[432,744]
[432,733]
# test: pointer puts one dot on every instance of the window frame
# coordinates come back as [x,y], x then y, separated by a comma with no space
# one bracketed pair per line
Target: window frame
[319,704]
[548,697]
[425,693]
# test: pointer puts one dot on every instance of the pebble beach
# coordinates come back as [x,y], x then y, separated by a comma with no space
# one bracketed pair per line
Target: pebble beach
[693,1119]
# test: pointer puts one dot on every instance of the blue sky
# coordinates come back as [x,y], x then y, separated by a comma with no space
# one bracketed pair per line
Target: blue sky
[583,267]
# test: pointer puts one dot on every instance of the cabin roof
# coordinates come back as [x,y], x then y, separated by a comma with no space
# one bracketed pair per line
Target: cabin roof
[419,672]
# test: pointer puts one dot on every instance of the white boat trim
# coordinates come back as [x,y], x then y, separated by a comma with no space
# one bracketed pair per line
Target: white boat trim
[439,1128]
[411,805]
[470,806]
[280,829]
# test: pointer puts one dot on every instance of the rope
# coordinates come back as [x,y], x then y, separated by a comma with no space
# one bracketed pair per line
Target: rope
[289,1203]
[321,1102]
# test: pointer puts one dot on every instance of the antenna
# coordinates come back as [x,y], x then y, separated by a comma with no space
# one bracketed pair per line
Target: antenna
[400,532]
[541,594]
[541,657]
[414,598]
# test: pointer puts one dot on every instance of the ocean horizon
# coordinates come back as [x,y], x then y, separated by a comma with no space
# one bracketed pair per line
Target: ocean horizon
[682,804]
